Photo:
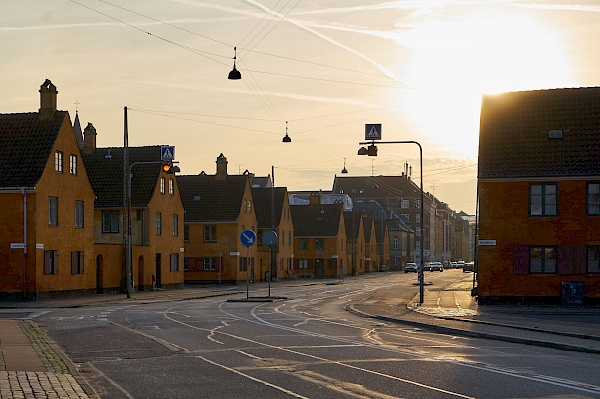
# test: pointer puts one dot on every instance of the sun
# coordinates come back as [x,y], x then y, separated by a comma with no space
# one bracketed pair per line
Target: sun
[455,61]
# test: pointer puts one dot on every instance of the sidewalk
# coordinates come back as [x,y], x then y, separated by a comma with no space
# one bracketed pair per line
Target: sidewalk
[452,310]
[32,366]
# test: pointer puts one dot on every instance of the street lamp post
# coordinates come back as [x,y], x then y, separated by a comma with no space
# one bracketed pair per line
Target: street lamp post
[372,151]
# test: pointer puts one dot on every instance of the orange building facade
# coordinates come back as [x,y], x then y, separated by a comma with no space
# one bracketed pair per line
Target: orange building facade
[46,232]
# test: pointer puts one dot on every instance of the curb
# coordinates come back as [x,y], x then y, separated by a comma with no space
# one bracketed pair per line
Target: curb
[474,334]
[53,352]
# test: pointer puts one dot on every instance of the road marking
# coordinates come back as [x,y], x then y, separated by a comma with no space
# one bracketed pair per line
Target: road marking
[294,394]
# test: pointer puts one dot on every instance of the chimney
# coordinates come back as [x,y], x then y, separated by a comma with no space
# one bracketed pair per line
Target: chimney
[221,168]
[315,199]
[47,99]
[89,139]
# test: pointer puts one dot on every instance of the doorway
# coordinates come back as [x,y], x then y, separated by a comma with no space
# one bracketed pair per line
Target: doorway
[319,268]
[158,266]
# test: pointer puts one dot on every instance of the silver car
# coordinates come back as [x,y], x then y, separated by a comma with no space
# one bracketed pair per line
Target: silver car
[410,267]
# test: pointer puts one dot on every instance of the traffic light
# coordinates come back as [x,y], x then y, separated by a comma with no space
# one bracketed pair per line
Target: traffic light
[170,168]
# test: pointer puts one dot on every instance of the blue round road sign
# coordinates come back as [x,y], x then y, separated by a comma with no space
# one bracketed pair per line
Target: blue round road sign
[248,238]
[270,237]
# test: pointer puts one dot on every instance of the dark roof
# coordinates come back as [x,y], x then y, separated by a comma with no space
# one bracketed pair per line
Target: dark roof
[515,131]
[352,224]
[26,142]
[262,205]
[316,220]
[105,172]
[379,187]
[206,199]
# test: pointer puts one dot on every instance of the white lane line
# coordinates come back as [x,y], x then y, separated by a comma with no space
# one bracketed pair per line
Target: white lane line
[287,391]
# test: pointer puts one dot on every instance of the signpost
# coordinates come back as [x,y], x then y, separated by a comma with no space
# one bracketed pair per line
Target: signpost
[247,238]
[269,238]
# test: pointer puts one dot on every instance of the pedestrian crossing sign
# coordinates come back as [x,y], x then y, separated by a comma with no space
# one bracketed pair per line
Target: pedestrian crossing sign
[167,152]
[373,131]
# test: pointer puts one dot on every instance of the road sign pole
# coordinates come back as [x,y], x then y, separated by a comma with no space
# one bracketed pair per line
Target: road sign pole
[247,279]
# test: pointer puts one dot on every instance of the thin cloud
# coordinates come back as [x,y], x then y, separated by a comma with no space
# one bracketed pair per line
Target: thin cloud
[561,7]
[328,39]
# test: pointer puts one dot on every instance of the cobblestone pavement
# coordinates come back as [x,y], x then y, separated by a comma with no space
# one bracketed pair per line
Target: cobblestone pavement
[56,383]
[38,385]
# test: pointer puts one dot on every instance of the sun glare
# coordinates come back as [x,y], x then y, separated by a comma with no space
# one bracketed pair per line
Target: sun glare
[456,61]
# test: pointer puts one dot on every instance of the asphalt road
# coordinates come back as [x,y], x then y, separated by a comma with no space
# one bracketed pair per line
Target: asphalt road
[307,346]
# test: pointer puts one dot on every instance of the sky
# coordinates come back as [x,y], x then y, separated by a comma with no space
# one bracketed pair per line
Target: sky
[319,70]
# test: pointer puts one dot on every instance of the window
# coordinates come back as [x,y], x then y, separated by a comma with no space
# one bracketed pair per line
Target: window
[418,204]
[162,185]
[418,231]
[77,262]
[58,161]
[245,205]
[158,226]
[289,238]
[406,217]
[303,244]
[243,264]
[210,233]
[319,244]
[593,259]
[303,264]
[593,199]
[282,238]
[543,199]
[73,164]
[186,264]
[396,243]
[210,264]
[51,262]
[79,214]
[249,205]
[186,233]
[175,225]
[174,262]
[404,204]
[542,260]
[171,187]
[110,221]
[417,245]
[418,218]
[53,211]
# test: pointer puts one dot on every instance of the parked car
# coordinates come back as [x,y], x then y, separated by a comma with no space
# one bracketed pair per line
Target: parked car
[410,267]
[382,268]
[460,264]
[469,267]
[454,265]
[436,266]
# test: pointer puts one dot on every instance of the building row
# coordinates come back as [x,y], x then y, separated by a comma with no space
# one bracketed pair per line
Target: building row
[73,218]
